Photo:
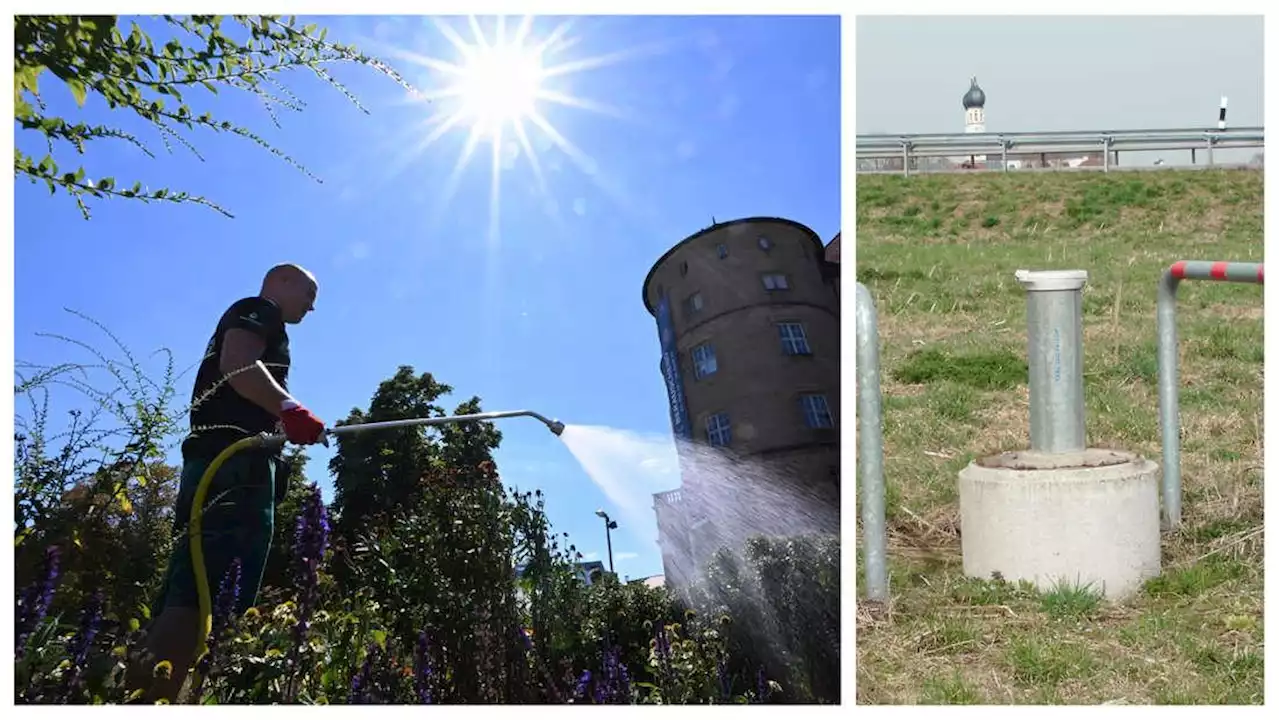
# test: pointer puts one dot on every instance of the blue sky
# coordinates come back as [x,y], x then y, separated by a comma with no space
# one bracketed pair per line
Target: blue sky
[710,116]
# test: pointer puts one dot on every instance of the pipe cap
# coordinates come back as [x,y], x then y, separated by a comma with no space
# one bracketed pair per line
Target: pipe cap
[1051,280]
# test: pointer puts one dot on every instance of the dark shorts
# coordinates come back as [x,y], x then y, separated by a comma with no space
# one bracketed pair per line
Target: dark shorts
[238,522]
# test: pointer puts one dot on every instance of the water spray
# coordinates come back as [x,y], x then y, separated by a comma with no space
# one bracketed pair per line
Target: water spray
[275,442]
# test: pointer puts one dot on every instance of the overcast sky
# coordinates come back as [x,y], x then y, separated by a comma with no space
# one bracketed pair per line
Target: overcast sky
[1059,73]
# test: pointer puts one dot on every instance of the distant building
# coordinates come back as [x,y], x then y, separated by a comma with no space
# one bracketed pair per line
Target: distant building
[974,103]
[748,316]
[975,114]
[832,255]
[653,581]
[591,572]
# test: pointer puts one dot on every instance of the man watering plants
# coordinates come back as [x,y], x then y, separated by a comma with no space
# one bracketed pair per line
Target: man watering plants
[241,389]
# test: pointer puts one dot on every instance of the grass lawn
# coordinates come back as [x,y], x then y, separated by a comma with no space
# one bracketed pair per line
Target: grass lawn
[939,254]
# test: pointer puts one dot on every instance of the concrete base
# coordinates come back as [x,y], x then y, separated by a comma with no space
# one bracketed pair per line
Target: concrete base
[1081,518]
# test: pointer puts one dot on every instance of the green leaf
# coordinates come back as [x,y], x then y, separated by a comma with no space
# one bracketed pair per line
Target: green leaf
[78,90]
[27,79]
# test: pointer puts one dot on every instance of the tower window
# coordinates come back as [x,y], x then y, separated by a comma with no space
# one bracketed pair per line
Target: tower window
[693,305]
[816,412]
[793,338]
[765,243]
[718,432]
[722,251]
[775,281]
[704,361]
[684,269]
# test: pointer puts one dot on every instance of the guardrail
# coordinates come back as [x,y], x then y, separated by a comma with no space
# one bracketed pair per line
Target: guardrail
[1167,358]
[908,149]
[871,447]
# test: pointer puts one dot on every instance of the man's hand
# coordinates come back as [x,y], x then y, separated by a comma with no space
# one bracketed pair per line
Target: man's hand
[300,426]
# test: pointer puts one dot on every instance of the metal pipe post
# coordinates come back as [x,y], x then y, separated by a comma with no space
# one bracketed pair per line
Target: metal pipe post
[1055,358]
[555,426]
[871,447]
[1167,360]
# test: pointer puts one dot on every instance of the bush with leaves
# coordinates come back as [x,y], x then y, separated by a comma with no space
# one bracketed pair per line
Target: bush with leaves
[784,597]
[155,80]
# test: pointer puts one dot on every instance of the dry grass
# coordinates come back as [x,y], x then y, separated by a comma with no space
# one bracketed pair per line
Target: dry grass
[938,254]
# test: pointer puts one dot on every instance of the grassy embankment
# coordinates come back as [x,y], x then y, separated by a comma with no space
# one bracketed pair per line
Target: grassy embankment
[939,255]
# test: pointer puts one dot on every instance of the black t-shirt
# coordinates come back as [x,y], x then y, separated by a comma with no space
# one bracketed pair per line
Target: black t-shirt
[220,415]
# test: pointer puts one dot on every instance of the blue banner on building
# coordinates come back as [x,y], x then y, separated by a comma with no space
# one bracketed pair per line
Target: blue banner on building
[671,372]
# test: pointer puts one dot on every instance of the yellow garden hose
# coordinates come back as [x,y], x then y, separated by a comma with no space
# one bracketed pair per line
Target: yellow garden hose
[197,547]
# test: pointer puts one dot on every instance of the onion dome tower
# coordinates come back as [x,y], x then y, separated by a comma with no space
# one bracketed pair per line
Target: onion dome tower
[975,118]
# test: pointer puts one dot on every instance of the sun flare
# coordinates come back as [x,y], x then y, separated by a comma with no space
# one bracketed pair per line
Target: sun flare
[499,86]
[496,90]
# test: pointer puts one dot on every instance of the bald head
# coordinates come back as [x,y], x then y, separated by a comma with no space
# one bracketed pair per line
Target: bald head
[291,287]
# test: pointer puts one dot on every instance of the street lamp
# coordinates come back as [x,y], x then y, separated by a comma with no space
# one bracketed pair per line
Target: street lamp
[608,538]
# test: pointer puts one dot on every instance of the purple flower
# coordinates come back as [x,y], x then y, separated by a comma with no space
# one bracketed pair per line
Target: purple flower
[311,538]
[616,687]
[663,643]
[624,684]
[422,668]
[79,645]
[662,648]
[580,690]
[224,610]
[762,686]
[722,674]
[310,541]
[362,684]
[35,601]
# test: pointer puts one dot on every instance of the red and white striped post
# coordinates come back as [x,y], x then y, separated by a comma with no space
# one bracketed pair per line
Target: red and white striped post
[1167,357]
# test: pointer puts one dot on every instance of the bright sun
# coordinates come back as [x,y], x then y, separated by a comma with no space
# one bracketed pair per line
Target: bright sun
[499,86]
[493,91]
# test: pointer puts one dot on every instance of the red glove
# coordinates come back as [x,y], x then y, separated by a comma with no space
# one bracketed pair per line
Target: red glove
[300,426]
